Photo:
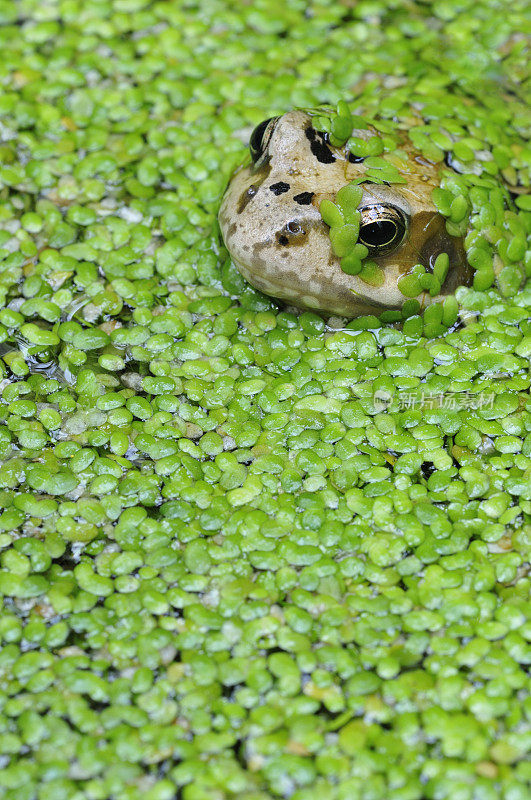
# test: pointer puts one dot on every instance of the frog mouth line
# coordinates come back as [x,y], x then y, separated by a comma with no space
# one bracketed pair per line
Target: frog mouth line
[283,294]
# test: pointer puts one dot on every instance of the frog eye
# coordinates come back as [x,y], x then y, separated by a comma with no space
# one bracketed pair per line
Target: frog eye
[260,138]
[382,228]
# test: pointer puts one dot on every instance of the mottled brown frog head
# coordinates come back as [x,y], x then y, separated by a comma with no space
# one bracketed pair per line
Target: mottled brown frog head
[272,226]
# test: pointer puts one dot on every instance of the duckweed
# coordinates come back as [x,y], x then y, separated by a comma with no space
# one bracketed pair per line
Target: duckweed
[244,552]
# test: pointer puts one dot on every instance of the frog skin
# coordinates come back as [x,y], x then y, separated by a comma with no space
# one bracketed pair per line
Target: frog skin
[273,230]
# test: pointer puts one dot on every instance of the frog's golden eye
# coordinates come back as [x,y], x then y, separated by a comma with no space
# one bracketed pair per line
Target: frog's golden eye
[260,138]
[382,228]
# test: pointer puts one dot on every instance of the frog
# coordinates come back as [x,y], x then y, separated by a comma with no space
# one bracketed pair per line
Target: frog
[277,239]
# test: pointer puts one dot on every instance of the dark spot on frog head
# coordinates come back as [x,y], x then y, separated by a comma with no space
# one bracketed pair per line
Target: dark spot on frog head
[319,147]
[304,198]
[279,188]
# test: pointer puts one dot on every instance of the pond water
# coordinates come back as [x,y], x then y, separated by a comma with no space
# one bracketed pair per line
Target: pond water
[248,551]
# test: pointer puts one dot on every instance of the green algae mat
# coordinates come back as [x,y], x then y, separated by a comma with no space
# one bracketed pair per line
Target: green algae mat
[246,552]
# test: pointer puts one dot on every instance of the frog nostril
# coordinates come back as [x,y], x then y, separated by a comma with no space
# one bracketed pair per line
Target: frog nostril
[246,197]
[294,227]
[292,233]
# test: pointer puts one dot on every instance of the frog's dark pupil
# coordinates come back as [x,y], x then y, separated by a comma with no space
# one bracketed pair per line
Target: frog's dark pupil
[256,140]
[378,233]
